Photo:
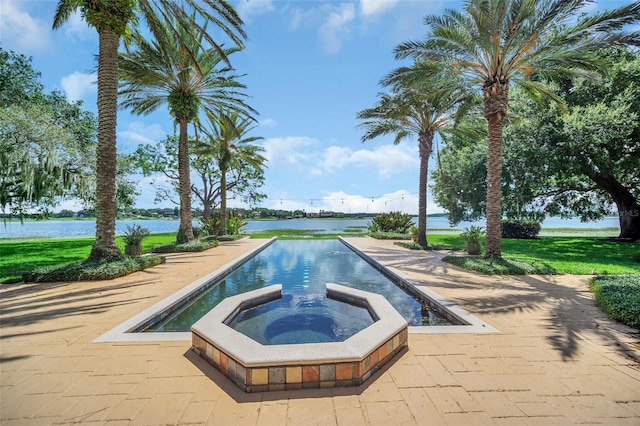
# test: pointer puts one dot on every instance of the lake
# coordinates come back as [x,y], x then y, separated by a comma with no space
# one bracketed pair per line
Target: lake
[86,228]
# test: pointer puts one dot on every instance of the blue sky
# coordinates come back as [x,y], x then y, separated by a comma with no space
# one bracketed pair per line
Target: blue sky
[310,65]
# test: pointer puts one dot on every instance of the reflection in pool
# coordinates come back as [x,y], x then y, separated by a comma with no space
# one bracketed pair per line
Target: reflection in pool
[302,267]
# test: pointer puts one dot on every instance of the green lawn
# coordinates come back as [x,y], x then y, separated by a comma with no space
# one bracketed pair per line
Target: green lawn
[571,255]
[24,256]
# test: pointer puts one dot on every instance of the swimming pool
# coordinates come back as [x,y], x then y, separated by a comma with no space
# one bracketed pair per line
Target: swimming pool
[302,268]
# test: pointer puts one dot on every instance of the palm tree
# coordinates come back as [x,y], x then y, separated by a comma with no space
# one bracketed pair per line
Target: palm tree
[422,107]
[112,19]
[162,71]
[227,142]
[496,43]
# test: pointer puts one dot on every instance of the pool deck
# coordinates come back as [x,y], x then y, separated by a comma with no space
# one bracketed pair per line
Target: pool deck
[556,360]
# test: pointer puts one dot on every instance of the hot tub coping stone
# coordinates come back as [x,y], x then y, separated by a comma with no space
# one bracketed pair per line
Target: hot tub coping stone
[250,353]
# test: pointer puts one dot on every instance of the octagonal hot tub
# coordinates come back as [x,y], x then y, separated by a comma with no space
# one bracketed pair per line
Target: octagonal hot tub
[257,367]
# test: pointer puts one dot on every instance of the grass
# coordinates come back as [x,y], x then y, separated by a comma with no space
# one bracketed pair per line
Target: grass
[18,257]
[294,234]
[567,255]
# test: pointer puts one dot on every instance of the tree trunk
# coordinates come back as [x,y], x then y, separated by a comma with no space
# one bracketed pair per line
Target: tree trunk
[106,153]
[426,147]
[223,200]
[628,208]
[496,94]
[185,233]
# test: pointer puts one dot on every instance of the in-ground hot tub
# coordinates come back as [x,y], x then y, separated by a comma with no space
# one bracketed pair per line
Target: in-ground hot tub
[256,367]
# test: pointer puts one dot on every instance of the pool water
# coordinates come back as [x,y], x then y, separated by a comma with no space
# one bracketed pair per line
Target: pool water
[301,318]
[302,267]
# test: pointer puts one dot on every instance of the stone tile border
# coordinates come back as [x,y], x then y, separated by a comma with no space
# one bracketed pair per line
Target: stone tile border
[254,367]
[466,322]
[124,332]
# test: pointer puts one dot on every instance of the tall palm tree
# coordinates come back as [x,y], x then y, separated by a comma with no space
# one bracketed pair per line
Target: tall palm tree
[226,141]
[162,71]
[496,43]
[112,19]
[417,106]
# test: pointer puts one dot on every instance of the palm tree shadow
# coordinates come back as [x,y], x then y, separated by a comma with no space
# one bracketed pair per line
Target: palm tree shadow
[565,306]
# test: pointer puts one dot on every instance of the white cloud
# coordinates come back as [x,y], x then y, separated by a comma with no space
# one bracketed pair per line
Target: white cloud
[78,84]
[335,28]
[140,133]
[248,8]
[388,159]
[294,150]
[372,7]
[20,31]
[78,28]
[268,122]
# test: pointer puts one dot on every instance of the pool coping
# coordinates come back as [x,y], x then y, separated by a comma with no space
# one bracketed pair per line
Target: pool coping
[255,367]
[123,332]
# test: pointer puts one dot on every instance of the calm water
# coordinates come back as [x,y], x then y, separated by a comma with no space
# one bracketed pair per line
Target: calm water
[303,268]
[302,318]
[86,228]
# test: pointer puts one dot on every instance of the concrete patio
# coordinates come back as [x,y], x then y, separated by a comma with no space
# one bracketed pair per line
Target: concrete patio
[556,360]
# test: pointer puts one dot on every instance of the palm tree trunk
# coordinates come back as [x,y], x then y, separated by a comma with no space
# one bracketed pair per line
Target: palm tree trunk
[425,148]
[106,207]
[223,201]
[185,233]
[496,94]
[494,190]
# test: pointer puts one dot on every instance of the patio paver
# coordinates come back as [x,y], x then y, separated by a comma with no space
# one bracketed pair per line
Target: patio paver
[556,360]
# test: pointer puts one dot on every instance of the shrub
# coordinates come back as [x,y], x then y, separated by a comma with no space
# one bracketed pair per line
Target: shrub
[619,297]
[191,246]
[235,224]
[472,234]
[87,270]
[211,225]
[135,234]
[389,236]
[520,229]
[501,266]
[397,222]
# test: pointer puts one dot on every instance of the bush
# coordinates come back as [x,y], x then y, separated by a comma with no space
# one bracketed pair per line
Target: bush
[235,224]
[92,269]
[389,236]
[135,234]
[619,297]
[396,222]
[501,266]
[191,246]
[520,229]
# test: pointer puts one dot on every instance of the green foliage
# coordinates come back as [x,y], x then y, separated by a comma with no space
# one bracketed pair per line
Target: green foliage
[472,234]
[191,246]
[396,222]
[556,163]
[416,246]
[135,234]
[504,266]
[235,224]
[89,270]
[389,235]
[46,142]
[231,237]
[619,297]
[520,229]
